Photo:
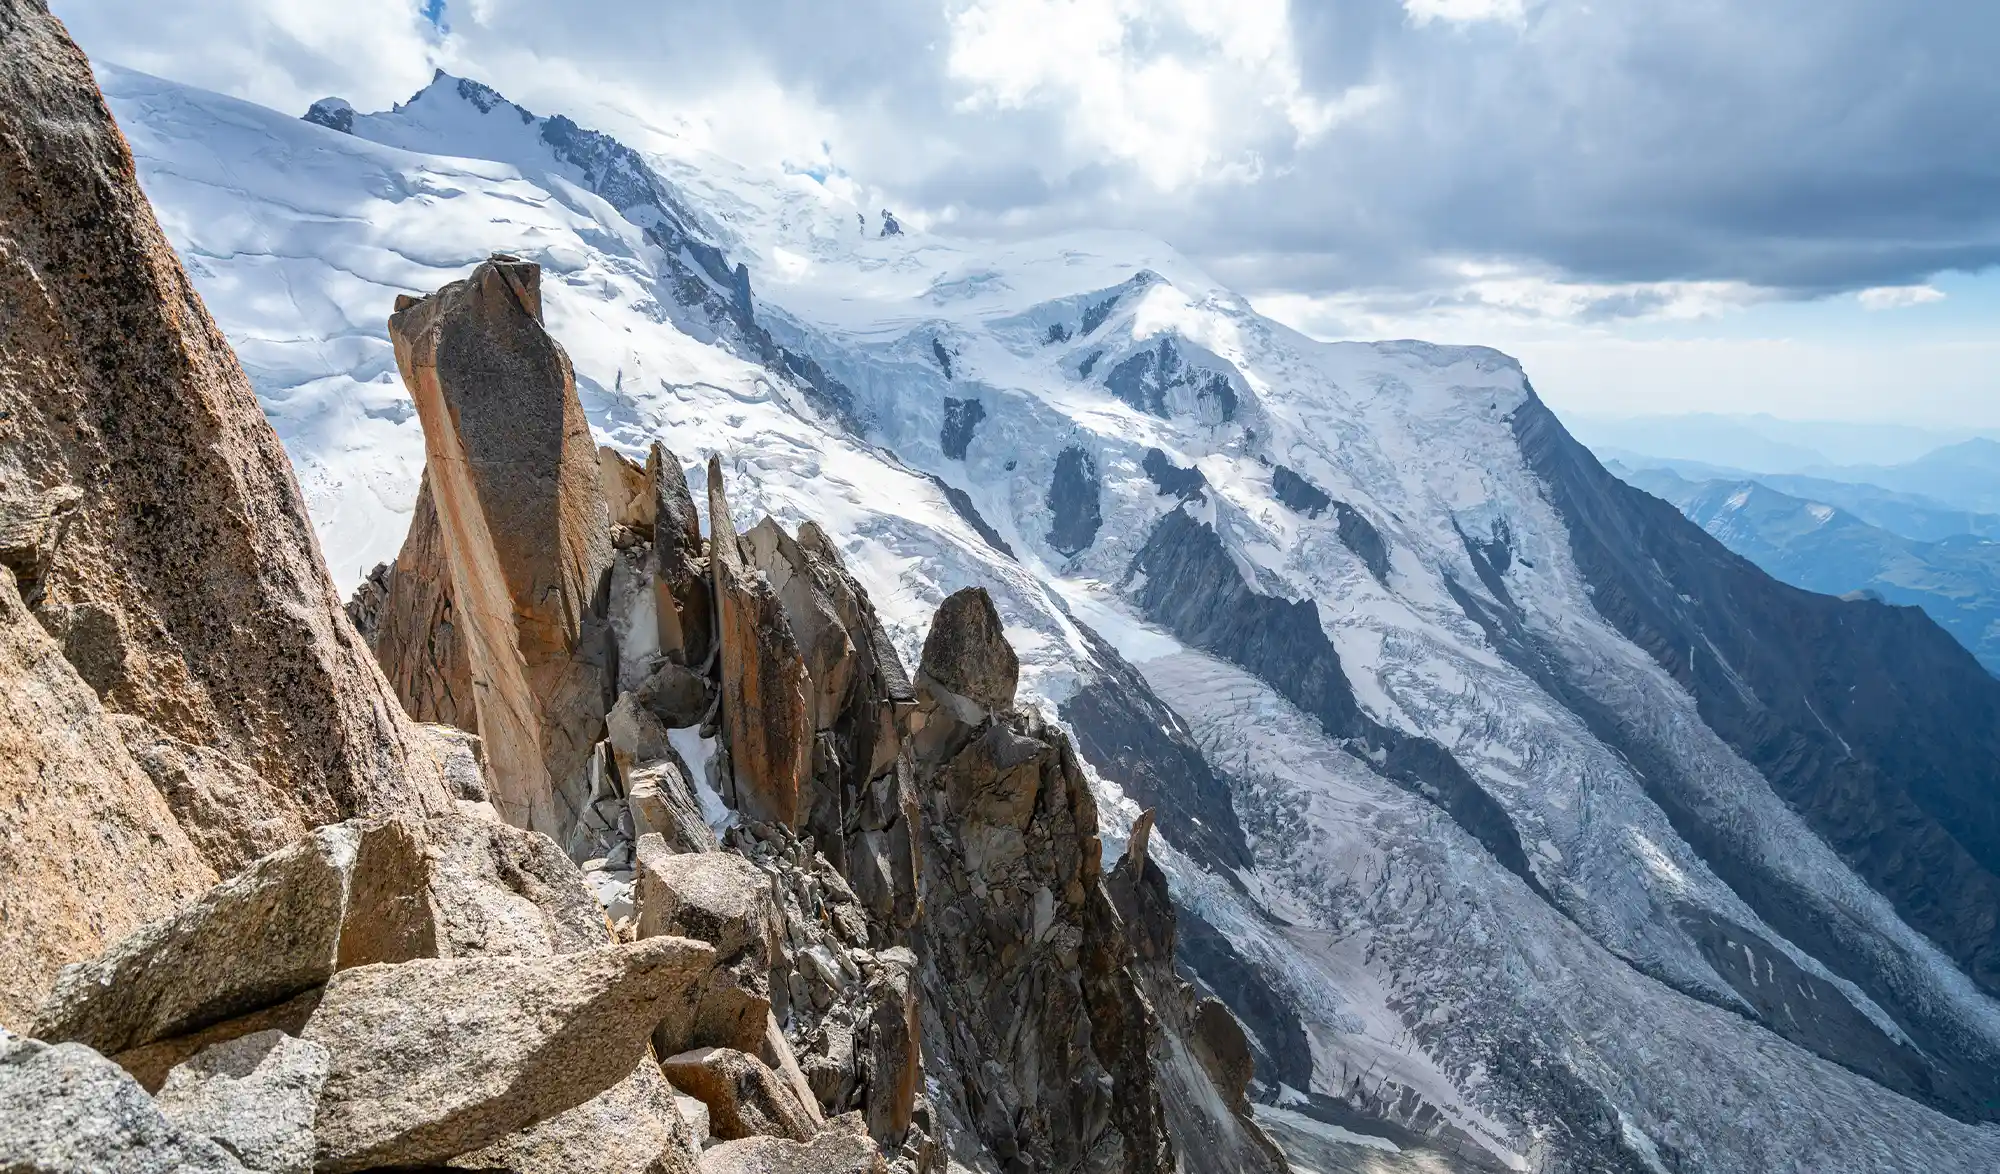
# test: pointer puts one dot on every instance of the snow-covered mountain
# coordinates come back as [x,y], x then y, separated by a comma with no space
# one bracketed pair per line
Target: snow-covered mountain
[1524,826]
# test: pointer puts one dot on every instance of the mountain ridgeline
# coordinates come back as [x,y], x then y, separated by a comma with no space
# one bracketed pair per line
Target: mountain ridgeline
[1033,714]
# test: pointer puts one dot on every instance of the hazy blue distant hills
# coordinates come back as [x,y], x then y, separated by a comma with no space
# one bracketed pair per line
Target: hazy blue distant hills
[1764,443]
[1911,515]
[1822,547]
[1965,475]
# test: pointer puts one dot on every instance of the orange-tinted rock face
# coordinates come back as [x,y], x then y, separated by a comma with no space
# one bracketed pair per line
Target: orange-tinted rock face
[686,616]
[524,527]
[188,585]
[169,563]
[417,633]
[764,681]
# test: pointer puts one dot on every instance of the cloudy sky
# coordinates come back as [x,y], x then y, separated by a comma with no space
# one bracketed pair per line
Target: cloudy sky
[1731,205]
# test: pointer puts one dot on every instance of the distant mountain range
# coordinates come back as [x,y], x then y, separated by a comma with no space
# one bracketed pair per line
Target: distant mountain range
[1764,443]
[1823,547]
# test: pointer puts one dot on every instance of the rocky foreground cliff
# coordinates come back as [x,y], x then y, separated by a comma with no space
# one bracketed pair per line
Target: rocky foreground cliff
[639,850]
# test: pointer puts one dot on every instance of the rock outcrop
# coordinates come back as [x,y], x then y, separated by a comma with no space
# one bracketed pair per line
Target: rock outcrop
[405,612]
[524,533]
[1200,1056]
[764,680]
[461,1006]
[156,534]
[1017,912]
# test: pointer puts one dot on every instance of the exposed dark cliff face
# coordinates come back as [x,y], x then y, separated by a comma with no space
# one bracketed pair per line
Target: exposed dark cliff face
[961,418]
[1357,533]
[961,504]
[1869,720]
[1298,493]
[1194,589]
[1074,501]
[1148,380]
[1171,479]
[1277,1034]
[1137,741]
[1802,1008]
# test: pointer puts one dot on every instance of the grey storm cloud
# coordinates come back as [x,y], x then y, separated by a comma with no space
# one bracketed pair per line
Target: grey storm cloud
[1806,146]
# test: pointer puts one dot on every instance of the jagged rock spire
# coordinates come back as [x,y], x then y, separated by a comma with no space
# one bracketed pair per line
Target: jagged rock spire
[524,527]
[764,678]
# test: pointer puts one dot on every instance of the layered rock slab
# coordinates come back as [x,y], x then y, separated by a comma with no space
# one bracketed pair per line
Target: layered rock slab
[524,529]
[434,1058]
[351,894]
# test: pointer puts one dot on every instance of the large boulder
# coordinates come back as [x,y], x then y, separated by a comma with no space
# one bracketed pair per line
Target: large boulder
[255,1096]
[524,529]
[439,1057]
[724,900]
[253,941]
[744,1097]
[967,657]
[495,889]
[765,717]
[66,1109]
[165,548]
[633,1127]
[350,894]
[842,1148]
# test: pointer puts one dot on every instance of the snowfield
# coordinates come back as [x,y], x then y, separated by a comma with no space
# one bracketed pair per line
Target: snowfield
[1582,1026]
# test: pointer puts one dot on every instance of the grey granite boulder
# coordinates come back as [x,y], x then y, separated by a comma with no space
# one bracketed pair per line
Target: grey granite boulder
[66,1109]
[255,1096]
[435,1058]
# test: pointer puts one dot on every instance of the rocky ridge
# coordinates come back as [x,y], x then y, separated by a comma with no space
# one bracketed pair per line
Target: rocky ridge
[745,972]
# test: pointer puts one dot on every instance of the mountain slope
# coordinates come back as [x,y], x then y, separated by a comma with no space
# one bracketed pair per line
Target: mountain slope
[1820,548]
[1485,873]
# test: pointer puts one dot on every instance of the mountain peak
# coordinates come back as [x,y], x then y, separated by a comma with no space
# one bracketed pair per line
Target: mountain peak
[332,113]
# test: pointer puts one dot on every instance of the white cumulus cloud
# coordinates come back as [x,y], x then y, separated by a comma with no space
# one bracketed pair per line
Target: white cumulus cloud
[1899,297]
[1183,90]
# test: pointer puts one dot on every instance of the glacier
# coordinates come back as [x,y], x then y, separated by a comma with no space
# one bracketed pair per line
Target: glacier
[1403,778]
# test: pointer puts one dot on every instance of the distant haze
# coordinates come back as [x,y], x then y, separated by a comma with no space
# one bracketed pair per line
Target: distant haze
[1762,443]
